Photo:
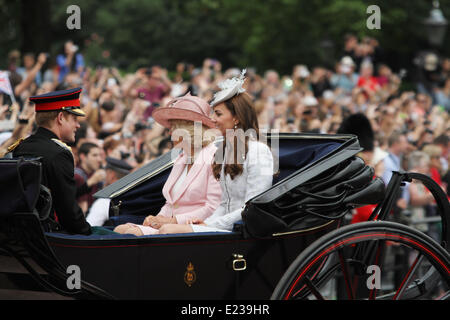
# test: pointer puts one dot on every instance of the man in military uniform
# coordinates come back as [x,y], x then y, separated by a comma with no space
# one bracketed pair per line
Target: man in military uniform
[57,119]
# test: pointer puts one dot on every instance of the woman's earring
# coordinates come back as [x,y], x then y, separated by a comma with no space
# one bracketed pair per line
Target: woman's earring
[235,126]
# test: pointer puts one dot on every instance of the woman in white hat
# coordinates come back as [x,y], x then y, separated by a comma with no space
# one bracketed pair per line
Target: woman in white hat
[243,165]
[191,190]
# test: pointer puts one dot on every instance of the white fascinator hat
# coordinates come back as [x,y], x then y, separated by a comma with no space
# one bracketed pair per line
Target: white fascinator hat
[229,88]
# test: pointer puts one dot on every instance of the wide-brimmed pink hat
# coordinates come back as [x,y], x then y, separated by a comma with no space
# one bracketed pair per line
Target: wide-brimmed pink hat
[187,107]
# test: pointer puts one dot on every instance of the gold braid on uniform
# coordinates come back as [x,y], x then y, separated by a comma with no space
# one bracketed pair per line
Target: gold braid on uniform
[14,145]
[62,144]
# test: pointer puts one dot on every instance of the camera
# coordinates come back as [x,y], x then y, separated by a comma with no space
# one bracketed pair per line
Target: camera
[107,105]
[124,155]
[141,95]
[141,126]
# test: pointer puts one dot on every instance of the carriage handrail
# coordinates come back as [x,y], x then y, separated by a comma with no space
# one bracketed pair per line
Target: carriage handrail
[367,252]
[398,178]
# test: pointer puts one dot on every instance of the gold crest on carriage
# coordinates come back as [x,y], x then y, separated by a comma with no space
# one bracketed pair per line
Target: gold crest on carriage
[189,276]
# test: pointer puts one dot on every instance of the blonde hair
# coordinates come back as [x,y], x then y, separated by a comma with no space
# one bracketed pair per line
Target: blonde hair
[417,159]
[195,135]
[432,150]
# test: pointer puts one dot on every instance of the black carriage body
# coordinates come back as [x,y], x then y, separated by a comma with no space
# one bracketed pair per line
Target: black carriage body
[199,266]
[160,266]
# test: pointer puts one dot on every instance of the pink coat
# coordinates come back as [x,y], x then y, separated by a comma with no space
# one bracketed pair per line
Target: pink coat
[199,195]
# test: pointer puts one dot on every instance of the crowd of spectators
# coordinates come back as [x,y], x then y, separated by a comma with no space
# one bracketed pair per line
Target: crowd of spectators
[413,126]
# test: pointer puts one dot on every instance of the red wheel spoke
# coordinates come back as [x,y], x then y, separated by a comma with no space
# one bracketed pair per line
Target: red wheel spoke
[408,276]
[354,248]
[313,277]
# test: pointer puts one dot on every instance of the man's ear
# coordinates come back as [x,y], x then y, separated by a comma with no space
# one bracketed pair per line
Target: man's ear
[59,118]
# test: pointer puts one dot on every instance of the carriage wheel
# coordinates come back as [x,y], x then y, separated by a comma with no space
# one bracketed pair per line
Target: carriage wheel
[357,262]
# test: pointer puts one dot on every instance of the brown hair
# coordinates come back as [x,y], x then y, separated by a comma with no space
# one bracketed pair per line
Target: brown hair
[110,143]
[44,118]
[394,138]
[241,106]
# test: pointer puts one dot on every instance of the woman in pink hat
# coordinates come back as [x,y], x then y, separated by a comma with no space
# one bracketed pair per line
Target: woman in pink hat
[243,165]
[191,191]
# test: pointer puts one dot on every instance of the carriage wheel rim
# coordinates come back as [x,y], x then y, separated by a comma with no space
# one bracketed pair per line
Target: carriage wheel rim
[358,237]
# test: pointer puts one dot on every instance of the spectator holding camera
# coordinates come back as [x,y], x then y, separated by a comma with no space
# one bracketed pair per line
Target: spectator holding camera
[22,86]
[345,77]
[28,63]
[110,117]
[320,81]
[153,87]
[69,61]
[366,79]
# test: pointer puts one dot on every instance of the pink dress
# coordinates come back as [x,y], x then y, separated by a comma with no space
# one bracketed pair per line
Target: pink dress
[196,196]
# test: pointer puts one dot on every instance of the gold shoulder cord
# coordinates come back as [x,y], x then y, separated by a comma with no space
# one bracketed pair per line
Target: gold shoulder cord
[14,145]
[62,144]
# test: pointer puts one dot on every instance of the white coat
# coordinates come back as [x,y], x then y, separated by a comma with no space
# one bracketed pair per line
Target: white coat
[256,177]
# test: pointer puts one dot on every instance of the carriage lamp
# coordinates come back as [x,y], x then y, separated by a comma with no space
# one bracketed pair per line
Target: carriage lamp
[436,26]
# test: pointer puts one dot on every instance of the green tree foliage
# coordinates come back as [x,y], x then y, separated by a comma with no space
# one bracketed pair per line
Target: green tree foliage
[139,32]
[265,34]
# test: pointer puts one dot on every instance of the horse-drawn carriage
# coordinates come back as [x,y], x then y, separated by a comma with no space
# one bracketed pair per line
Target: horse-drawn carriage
[294,241]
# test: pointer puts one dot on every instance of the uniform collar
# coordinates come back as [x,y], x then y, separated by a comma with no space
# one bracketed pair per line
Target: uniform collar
[46,133]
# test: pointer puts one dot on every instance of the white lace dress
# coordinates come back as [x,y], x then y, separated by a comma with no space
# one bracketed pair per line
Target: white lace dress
[255,178]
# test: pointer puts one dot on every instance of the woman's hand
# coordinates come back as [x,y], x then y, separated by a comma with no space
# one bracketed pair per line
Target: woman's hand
[157,221]
[149,220]
[196,221]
